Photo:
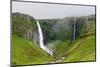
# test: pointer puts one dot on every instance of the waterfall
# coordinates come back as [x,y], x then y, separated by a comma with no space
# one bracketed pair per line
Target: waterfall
[41,43]
[74,29]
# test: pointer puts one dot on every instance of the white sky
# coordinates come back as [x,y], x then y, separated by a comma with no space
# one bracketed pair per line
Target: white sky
[44,11]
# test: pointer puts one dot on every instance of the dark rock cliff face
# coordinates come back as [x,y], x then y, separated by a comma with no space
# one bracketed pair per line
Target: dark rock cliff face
[62,29]
[24,26]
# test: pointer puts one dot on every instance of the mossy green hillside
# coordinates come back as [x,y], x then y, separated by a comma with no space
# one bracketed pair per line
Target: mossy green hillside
[27,52]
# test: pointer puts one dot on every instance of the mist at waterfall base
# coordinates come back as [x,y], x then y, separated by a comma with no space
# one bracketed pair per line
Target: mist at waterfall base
[41,43]
[59,30]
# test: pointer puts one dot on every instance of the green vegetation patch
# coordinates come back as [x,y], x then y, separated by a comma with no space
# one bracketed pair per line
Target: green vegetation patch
[27,52]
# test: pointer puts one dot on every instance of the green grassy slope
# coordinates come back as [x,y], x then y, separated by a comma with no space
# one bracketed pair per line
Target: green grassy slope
[26,52]
[60,48]
[82,50]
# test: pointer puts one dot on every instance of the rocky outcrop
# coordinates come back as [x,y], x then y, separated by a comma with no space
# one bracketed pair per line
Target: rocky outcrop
[24,26]
[62,29]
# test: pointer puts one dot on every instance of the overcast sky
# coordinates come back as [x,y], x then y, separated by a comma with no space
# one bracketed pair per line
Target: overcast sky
[44,11]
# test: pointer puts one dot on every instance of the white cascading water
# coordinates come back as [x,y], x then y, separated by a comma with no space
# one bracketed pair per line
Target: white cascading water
[41,43]
[74,29]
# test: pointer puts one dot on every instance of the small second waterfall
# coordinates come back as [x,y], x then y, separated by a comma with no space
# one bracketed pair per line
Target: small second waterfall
[74,29]
[41,43]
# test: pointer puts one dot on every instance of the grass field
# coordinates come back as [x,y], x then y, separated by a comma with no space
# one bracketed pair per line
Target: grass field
[26,52]
[82,50]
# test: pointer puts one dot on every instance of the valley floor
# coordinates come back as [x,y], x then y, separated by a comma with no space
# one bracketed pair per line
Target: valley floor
[25,52]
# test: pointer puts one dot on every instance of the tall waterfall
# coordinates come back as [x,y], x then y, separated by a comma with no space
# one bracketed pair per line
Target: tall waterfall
[41,43]
[74,29]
